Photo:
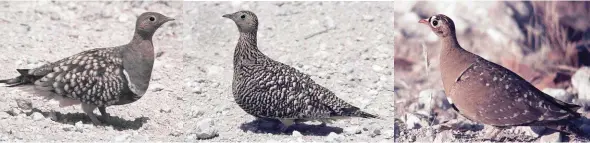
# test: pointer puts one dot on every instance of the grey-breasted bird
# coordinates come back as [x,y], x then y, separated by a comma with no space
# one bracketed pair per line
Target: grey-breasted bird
[485,92]
[266,88]
[99,77]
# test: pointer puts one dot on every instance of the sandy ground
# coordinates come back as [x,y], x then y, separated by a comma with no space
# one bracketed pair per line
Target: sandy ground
[489,29]
[34,33]
[352,55]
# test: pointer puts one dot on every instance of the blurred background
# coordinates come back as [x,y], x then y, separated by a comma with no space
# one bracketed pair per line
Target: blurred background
[544,42]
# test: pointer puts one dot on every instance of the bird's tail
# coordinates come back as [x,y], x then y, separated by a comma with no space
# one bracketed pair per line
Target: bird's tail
[24,78]
[358,113]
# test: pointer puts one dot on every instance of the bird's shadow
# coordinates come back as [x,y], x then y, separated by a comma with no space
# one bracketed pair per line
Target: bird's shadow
[272,126]
[117,123]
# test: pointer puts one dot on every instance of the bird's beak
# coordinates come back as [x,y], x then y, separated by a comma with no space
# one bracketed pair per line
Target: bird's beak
[227,16]
[169,19]
[423,21]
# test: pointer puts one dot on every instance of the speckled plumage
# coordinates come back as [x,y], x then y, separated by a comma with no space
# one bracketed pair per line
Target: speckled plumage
[266,88]
[99,77]
[488,93]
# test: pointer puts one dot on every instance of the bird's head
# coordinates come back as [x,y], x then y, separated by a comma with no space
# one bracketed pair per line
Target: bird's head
[245,20]
[440,24]
[149,22]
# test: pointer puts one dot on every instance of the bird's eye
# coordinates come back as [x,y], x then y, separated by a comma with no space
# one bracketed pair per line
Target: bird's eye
[243,16]
[152,18]
[435,23]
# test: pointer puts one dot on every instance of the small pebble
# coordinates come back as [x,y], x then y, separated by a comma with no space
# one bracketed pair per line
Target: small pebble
[37,116]
[24,104]
[296,134]
[206,130]
[122,138]
[333,137]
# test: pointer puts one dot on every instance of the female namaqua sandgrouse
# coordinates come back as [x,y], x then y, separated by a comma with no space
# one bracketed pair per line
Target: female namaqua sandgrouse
[99,77]
[266,88]
[485,92]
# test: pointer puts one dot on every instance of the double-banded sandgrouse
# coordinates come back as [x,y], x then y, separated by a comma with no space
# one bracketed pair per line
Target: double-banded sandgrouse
[99,77]
[485,92]
[268,89]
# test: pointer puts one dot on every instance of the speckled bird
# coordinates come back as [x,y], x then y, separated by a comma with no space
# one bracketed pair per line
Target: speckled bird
[99,77]
[266,88]
[488,93]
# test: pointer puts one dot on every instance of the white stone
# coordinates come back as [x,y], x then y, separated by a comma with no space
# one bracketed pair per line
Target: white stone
[296,134]
[333,137]
[37,116]
[581,82]
[205,129]
[560,94]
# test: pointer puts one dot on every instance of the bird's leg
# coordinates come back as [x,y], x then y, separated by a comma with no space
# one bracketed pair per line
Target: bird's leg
[88,108]
[103,113]
[492,134]
[286,124]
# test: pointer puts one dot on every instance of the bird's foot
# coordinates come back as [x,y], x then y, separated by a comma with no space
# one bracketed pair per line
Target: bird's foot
[88,108]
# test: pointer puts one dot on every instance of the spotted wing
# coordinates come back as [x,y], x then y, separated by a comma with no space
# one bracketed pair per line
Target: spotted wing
[497,96]
[93,77]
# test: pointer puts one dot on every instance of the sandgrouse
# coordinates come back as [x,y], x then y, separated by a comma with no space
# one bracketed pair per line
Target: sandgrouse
[99,77]
[488,93]
[269,89]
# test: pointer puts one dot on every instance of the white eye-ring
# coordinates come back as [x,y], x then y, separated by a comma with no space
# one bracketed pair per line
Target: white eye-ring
[434,22]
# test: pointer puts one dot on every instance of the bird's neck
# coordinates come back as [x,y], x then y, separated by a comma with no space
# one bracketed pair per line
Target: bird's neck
[138,61]
[247,49]
[453,61]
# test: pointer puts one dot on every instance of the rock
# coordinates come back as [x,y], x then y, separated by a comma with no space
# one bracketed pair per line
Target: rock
[412,121]
[165,109]
[197,90]
[79,126]
[353,130]
[368,18]
[433,98]
[37,116]
[329,23]
[53,116]
[444,136]
[14,112]
[333,137]
[205,129]
[296,134]
[377,68]
[122,138]
[196,112]
[4,115]
[560,94]
[552,137]
[214,70]
[375,133]
[156,87]
[581,83]
[24,104]
[68,128]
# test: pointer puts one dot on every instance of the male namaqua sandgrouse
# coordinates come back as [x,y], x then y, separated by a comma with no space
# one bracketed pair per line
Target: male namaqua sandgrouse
[485,92]
[269,89]
[99,77]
